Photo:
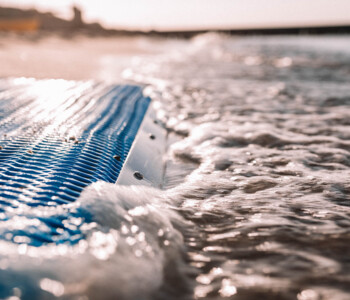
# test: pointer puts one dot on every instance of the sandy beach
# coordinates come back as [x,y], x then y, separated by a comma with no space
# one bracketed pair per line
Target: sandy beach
[74,58]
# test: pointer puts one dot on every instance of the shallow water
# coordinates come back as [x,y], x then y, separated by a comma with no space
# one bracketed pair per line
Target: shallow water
[257,191]
[266,126]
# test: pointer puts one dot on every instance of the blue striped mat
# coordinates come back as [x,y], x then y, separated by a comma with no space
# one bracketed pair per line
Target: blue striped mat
[57,137]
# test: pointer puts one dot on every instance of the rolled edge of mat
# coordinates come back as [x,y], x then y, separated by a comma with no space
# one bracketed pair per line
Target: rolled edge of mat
[145,164]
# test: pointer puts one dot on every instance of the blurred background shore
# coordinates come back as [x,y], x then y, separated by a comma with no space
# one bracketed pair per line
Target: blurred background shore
[32,20]
[39,44]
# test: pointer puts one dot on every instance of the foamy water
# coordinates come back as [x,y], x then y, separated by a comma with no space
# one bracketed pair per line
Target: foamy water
[266,126]
[256,196]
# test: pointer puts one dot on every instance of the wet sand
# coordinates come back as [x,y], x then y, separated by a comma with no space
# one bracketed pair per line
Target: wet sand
[76,58]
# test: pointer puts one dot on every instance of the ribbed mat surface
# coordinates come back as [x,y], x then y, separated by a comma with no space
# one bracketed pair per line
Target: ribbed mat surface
[57,137]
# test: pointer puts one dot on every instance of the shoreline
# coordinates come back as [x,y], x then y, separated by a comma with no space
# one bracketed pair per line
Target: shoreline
[49,23]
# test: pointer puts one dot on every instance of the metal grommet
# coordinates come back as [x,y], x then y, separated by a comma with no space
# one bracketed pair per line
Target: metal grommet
[138,175]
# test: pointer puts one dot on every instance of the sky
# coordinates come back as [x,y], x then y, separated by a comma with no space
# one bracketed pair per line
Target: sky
[199,14]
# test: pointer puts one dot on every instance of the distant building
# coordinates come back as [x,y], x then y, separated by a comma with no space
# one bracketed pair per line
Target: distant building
[77,21]
[24,25]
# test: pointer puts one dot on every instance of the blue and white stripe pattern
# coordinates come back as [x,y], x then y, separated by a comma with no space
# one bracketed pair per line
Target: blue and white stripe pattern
[57,137]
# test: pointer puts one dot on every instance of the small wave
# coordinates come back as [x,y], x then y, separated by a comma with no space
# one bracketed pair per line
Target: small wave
[131,238]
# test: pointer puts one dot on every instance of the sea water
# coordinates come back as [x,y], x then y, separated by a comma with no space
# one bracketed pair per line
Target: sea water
[255,201]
